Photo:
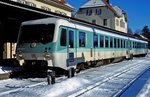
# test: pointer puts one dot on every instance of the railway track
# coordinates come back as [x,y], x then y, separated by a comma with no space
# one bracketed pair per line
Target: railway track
[20,84]
[118,92]
[125,73]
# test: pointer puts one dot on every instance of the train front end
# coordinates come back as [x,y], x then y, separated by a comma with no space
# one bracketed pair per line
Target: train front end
[35,44]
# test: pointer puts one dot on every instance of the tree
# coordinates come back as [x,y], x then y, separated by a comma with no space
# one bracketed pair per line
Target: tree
[146,29]
[146,32]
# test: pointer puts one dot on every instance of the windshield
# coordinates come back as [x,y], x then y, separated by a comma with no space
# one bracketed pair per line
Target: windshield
[39,33]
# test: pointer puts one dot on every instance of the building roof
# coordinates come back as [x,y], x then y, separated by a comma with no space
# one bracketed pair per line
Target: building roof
[93,3]
[99,3]
[118,10]
[61,3]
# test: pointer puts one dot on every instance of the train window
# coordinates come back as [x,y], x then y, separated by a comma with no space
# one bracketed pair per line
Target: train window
[130,44]
[118,43]
[121,44]
[127,44]
[115,43]
[133,44]
[101,41]
[124,43]
[40,33]
[63,37]
[95,40]
[111,42]
[106,41]
[71,39]
[82,39]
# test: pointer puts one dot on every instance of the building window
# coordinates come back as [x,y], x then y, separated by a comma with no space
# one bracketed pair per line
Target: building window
[22,1]
[82,39]
[27,3]
[63,13]
[63,37]
[80,10]
[45,8]
[98,11]
[57,11]
[117,22]
[95,40]
[89,12]
[105,22]
[122,24]
[31,4]
[94,21]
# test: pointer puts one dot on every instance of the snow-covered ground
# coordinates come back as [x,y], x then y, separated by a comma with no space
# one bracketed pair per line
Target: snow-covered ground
[104,81]
[4,70]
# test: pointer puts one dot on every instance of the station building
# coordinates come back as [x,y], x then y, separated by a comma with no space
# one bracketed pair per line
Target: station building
[101,12]
[14,12]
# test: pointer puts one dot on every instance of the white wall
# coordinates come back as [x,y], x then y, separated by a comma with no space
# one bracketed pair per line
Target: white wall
[118,27]
[52,7]
[106,13]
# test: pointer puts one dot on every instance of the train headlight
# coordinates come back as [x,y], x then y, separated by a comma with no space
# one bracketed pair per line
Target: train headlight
[20,56]
[47,56]
[33,45]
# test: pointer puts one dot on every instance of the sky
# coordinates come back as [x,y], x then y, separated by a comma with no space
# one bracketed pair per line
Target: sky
[138,11]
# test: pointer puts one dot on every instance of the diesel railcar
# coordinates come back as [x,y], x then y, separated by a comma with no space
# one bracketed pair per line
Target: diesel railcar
[61,44]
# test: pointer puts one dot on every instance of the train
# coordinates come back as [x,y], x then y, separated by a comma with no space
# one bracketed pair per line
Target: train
[61,44]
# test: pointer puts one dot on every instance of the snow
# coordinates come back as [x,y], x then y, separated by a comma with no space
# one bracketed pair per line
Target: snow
[95,3]
[141,87]
[4,69]
[107,81]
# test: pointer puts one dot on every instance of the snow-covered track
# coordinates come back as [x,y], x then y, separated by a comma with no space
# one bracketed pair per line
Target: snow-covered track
[119,93]
[107,81]
[20,84]
[134,66]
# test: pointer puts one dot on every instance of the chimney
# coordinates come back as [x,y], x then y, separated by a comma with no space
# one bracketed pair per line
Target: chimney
[107,1]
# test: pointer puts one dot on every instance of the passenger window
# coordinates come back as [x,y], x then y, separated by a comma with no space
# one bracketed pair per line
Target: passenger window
[115,43]
[95,40]
[121,44]
[124,43]
[118,43]
[106,41]
[63,37]
[101,41]
[71,39]
[111,42]
[82,39]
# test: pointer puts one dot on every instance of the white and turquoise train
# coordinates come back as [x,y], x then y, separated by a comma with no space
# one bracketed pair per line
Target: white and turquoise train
[62,44]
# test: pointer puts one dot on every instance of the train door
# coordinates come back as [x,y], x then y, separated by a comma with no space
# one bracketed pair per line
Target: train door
[71,47]
[129,48]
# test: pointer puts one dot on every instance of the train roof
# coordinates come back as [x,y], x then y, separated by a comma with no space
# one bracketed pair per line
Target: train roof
[79,23]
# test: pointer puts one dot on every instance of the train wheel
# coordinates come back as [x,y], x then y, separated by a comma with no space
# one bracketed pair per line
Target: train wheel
[71,72]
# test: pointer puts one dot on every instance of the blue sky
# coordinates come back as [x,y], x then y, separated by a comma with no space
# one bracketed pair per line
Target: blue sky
[138,11]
